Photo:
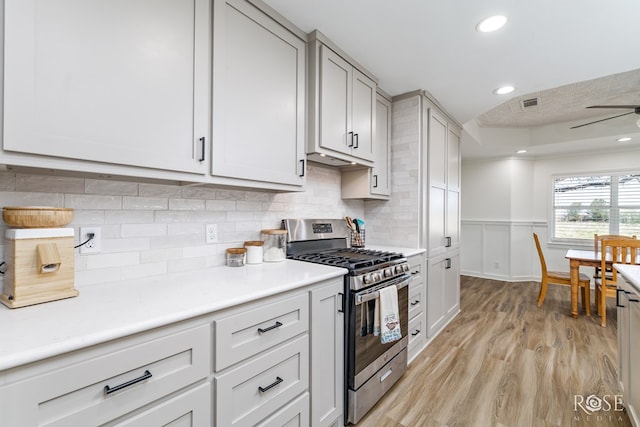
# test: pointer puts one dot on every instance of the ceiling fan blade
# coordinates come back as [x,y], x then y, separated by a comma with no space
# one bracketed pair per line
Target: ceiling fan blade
[614,106]
[602,120]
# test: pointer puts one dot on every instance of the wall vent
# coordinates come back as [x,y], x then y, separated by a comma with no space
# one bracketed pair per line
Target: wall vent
[528,103]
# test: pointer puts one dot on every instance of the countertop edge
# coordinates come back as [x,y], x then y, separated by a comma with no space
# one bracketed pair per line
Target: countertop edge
[27,329]
[631,273]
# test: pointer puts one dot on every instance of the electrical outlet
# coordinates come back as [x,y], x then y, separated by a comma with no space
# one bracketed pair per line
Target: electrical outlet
[211,233]
[94,245]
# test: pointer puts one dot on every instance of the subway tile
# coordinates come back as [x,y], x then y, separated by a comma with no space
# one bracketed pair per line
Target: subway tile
[197,192]
[128,216]
[20,198]
[143,230]
[158,190]
[7,181]
[159,255]
[92,201]
[88,217]
[220,205]
[125,244]
[102,260]
[187,264]
[144,270]
[189,216]
[98,276]
[180,241]
[49,184]
[144,203]
[186,204]
[100,186]
[177,229]
[200,251]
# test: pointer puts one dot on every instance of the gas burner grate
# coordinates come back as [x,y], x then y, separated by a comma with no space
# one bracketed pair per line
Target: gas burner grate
[354,259]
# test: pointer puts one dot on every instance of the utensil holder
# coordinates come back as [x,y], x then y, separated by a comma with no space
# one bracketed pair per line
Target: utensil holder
[357,239]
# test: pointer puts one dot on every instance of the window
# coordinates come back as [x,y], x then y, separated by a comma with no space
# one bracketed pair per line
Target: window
[598,204]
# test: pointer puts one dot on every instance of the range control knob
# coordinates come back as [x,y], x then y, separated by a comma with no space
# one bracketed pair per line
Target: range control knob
[367,279]
[387,272]
[377,277]
[405,267]
[398,269]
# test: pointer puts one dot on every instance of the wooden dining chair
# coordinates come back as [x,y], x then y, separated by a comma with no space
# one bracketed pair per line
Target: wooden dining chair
[561,278]
[622,251]
[597,242]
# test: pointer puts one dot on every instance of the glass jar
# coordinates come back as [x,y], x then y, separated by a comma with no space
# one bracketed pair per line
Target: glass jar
[235,257]
[254,251]
[275,245]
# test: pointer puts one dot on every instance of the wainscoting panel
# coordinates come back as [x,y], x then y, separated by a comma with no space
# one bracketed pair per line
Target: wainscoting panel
[501,250]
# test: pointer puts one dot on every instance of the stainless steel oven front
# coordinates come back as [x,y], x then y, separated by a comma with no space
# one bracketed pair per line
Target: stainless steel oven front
[373,367]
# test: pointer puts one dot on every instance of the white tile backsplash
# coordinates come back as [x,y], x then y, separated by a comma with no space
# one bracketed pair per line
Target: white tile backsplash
[149,229]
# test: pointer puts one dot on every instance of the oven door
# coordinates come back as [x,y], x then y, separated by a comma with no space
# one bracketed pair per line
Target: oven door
[366,353]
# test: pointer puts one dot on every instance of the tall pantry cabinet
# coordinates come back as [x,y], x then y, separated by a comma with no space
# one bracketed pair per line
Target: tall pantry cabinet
[425,177]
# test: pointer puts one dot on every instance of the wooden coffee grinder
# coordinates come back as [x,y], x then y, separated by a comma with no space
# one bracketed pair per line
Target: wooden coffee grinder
[39,266]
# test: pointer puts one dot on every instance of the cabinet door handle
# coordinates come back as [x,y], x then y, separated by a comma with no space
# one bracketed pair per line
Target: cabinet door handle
[350,144]
[618,298]
[341,303]
[274,326]
[355,144]
[417,331]
[448,241]
[416,302]
[375,181]
[302,164]
[109,390]
[202,147]
[270,386]
[448,263]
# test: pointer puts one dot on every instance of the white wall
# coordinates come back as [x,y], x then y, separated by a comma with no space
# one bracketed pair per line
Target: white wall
[150,229]
[505,200]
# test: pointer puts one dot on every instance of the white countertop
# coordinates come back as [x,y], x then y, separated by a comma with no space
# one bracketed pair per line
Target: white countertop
[631,273]
[110,311]
[407,252]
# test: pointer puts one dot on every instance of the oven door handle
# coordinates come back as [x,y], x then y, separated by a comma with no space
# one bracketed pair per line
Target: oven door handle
[373,293]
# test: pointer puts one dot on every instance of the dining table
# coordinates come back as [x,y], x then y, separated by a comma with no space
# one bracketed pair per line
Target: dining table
[586,258]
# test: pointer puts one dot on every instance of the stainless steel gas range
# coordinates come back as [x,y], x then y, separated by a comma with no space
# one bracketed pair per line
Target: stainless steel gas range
[371,367]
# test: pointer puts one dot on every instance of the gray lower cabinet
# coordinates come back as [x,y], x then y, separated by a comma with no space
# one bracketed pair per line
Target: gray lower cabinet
[119,383]
[628,311]
[252,364]
[417,305]
[443,291]
[327,354]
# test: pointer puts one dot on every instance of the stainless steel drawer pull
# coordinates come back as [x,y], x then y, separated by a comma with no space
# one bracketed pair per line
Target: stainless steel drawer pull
[109,390]
[263,330]
[270,386]
[416,302]
[413,334]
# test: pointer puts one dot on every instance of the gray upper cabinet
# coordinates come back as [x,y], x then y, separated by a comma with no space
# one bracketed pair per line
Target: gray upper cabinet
[342,102]
[375,182]
[115,83]
[258,99]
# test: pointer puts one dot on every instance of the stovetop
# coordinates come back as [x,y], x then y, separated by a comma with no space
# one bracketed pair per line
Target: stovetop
[356,260]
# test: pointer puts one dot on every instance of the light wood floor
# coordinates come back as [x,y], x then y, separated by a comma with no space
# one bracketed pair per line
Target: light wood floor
[505,362]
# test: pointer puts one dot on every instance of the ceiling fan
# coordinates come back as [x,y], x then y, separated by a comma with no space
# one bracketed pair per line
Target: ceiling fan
[635,108]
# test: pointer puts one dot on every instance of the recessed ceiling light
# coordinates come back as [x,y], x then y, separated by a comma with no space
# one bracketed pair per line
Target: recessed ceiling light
[504,90]
[491,24]
[625,139]
[521,151]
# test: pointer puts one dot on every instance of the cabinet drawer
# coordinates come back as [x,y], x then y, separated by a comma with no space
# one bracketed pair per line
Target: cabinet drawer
[417,332]
[248,393]
[415,268]
[416,299]
[191,408]
[110,385]
[295,414]
[245,334]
